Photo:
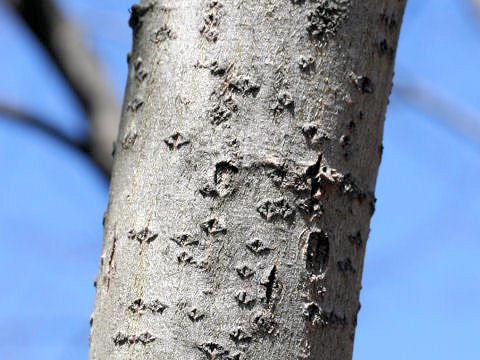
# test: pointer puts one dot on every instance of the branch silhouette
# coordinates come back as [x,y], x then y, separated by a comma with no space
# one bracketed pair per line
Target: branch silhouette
[64,44]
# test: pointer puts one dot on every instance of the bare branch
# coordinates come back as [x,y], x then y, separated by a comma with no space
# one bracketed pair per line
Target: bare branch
[67,49]
[19,116]
[462,120]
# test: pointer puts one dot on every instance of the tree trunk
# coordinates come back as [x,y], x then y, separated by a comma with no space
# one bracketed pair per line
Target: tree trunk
[243,179]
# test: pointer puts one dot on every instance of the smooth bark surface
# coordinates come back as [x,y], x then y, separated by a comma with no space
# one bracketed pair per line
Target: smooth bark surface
[243,179]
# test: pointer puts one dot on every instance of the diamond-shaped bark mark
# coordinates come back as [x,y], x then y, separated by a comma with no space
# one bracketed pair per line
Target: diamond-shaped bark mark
[313,134]
[262,322]
[316,315]
[364,84]
[195,315]
[244,298]
[185,257]
[212,350]
[142,236]
[333,319]
[135,104]
[184,240]
[322,291]
[257,246]
[156,306]
[129,140]
[328,175]
[244,271]
[356,238]
[223,110]
[212,227]
[306,63]
[120,339]
[201,264]
[345,266]
[176,141]
[349,187]
[240,335]
[284,101]
[274,209]
[385,49]
[217,68]
[162,34]
[141,74]
[312,207]
[144,338]
[244,85]
[137,306]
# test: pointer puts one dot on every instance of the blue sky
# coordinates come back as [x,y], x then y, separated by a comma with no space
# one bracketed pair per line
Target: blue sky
[421,277]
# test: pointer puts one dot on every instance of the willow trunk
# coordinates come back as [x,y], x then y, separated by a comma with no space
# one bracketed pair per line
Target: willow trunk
[243,179]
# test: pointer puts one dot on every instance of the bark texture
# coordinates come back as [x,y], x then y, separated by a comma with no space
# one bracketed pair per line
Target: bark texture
[243,179]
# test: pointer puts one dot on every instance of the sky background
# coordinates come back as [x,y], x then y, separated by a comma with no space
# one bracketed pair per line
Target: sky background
[421,287]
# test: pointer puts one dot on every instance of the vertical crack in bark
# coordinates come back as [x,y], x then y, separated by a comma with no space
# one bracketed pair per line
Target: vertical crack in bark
[317,252]
[270,283]
[110,261]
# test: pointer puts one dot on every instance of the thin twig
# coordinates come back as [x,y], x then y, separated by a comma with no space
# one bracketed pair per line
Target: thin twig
[464,121]
[16,115]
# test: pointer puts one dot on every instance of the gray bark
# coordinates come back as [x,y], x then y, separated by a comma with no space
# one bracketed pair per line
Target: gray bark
[243,179]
